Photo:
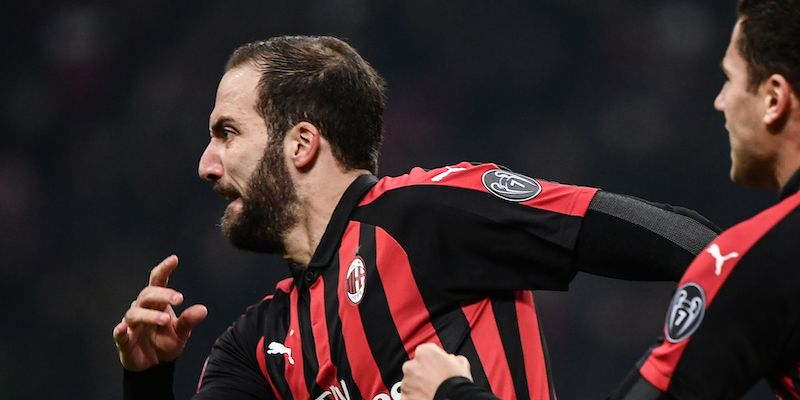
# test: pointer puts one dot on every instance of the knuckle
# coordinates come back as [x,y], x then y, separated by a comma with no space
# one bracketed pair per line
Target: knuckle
[155,294]
[144,292]
[407,367]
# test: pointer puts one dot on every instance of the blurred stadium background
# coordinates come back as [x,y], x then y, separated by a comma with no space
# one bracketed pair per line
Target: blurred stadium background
[106,107]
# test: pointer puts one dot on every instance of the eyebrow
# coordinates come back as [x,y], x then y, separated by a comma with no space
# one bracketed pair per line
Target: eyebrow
[220,123]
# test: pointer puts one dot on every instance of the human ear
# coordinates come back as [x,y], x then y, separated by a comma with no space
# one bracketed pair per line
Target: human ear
[304,141]
[778,94]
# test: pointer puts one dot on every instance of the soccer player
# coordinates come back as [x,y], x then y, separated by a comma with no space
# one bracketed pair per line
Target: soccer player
[446,255]
[734,318]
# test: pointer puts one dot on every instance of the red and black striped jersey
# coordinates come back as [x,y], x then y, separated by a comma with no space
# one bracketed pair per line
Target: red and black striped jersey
[735,316]
[449,256]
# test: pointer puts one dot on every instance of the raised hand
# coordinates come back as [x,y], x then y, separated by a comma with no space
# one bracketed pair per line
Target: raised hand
[151,332]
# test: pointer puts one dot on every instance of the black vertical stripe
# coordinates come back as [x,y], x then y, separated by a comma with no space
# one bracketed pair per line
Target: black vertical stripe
[505,314]
[453,330]
[381,333]
[277,321]
[468,350]
[310,362]
[335,336]
[547,368]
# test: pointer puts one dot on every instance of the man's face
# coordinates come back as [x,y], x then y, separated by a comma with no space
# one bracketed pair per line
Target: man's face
[247,166]
[751,157]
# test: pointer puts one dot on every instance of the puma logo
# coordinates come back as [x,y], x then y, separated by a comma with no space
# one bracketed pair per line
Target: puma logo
[450,170]
[719,258]
[278,348]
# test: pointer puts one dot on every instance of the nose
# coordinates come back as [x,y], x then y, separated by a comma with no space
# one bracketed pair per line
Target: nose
[719,102]
[210,167]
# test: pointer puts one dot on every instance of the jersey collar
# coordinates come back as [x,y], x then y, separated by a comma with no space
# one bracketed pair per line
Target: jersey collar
[329,243]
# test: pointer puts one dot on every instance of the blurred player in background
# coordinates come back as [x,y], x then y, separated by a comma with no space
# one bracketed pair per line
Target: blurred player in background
[735,317]
[447,255]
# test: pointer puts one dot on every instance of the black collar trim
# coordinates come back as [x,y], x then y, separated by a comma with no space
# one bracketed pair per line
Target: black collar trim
[792,186]
[329,244]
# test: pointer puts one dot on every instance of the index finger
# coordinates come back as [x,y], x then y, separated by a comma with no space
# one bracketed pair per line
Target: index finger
[159,276]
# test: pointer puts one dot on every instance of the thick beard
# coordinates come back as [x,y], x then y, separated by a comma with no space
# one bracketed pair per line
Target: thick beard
[270,209]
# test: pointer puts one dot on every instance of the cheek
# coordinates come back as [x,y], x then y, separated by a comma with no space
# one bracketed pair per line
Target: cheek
[242,162]
[738,115]
[744,135]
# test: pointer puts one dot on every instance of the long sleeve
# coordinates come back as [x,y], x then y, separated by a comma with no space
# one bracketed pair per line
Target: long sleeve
[460,388]
[503,230]
[232,370]
[152,384]
[629,238]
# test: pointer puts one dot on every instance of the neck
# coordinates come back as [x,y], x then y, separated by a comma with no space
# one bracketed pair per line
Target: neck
[785,169]
[317,200]
[787,144]
[788,159]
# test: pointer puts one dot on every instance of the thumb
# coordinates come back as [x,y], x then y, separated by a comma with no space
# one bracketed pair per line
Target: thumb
[465,366]
[190,318]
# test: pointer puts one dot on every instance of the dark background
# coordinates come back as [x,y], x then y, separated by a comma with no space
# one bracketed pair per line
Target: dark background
[105,114]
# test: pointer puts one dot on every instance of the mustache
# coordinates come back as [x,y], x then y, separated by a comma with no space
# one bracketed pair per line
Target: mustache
[226,192]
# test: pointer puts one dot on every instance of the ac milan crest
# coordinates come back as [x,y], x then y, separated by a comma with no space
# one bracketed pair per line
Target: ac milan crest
[356,280]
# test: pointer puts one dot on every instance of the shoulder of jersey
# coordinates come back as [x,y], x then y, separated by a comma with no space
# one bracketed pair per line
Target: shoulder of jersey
[464,175]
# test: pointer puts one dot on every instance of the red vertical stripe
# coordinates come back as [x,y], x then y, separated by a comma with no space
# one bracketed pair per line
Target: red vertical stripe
[487,342]
[532,351]
[365,370]
[262,364]
[408,311]
[295,376]
[326,376]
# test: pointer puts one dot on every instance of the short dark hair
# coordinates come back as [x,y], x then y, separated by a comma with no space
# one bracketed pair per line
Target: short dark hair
[324,81]
[770,39]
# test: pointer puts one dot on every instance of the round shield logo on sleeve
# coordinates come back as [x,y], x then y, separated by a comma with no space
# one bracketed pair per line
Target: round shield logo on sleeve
[685,313]
[510,186]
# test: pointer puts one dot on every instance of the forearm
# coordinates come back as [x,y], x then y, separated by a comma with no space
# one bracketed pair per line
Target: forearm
[628,238]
